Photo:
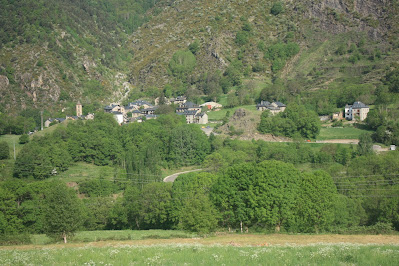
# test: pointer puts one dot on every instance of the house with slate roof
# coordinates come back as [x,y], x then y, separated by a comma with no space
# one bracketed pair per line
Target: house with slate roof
[139,104]
[114,108]
[192,112]
[179,100]
[188,106]
[149,110]
[274,107]
[357,111]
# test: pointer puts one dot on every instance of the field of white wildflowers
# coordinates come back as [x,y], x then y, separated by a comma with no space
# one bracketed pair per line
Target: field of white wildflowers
[195,254]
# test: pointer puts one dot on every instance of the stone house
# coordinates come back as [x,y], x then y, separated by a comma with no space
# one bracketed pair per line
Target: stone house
[114,108]
[337,116]
[274,107]
[356,111]
[179,100]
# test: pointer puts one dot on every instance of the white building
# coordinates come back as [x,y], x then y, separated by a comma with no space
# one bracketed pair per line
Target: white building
[356,111]
[118,117]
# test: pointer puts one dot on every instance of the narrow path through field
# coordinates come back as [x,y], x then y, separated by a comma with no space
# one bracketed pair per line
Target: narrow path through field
[172,178]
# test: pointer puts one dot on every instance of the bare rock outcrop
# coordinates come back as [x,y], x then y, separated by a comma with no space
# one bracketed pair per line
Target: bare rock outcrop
[4,82]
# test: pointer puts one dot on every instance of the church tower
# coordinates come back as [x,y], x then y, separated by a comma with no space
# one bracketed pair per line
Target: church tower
[79,111]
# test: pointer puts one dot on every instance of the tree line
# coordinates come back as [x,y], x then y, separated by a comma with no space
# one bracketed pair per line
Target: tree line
[265,196]
[249,185]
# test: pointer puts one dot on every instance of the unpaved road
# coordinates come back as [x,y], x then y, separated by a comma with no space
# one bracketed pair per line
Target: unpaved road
[339,141]
[171,178]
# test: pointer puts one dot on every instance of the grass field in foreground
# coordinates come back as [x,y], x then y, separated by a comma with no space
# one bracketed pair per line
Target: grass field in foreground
[340,133]
[182,254]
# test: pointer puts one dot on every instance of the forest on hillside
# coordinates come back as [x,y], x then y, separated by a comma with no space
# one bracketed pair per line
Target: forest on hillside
[255,186]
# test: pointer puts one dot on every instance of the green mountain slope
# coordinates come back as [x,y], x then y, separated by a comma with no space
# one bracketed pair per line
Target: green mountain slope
[303,45]
[55,51]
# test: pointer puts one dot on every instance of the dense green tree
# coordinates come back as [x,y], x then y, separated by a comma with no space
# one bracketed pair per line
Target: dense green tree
[33,162]
[306,121]
[365,145]
[276,191]
[24,139]
[392,80]
[97,187]
[233,196]
[188,145]
[118,216]
[4,150]
[214,162]
[296,118]
[316,201]
[155,206]
[10,222]
[192,208]
[63,212]
[97,212]
[182,64]
[280,52]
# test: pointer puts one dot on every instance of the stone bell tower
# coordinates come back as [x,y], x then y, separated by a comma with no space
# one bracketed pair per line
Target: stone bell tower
[79,111]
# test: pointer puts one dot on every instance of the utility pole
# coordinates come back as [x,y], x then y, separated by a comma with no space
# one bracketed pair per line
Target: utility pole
[14,152]
[41,119]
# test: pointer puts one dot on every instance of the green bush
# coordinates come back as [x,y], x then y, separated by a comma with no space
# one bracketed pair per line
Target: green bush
[182,63]
[194,47]
[277,8]
[10,240]
[23,139]
[242,37]
[338,123]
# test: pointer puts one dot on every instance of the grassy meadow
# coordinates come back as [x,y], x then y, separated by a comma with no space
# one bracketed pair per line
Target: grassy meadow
[198,254]
[340,133]
[11,139]
[173,247]
[115,235]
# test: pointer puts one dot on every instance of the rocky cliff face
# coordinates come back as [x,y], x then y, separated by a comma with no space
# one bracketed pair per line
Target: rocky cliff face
[338,16]
[216,23]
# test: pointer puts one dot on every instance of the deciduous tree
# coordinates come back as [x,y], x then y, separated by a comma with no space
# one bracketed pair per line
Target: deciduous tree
[63,212]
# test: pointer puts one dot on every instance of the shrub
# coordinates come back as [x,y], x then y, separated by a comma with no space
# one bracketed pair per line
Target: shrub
[24,139]
[277,8]
[242,38]
[338,123]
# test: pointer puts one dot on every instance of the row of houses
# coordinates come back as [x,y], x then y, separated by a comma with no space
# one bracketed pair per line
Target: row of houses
[134,111]
[356,111]
[139,110]
[51,121]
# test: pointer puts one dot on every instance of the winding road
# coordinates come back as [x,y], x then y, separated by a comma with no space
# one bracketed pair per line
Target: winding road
[172,178]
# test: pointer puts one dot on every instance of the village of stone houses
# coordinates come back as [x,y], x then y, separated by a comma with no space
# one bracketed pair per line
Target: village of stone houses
[141,110]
